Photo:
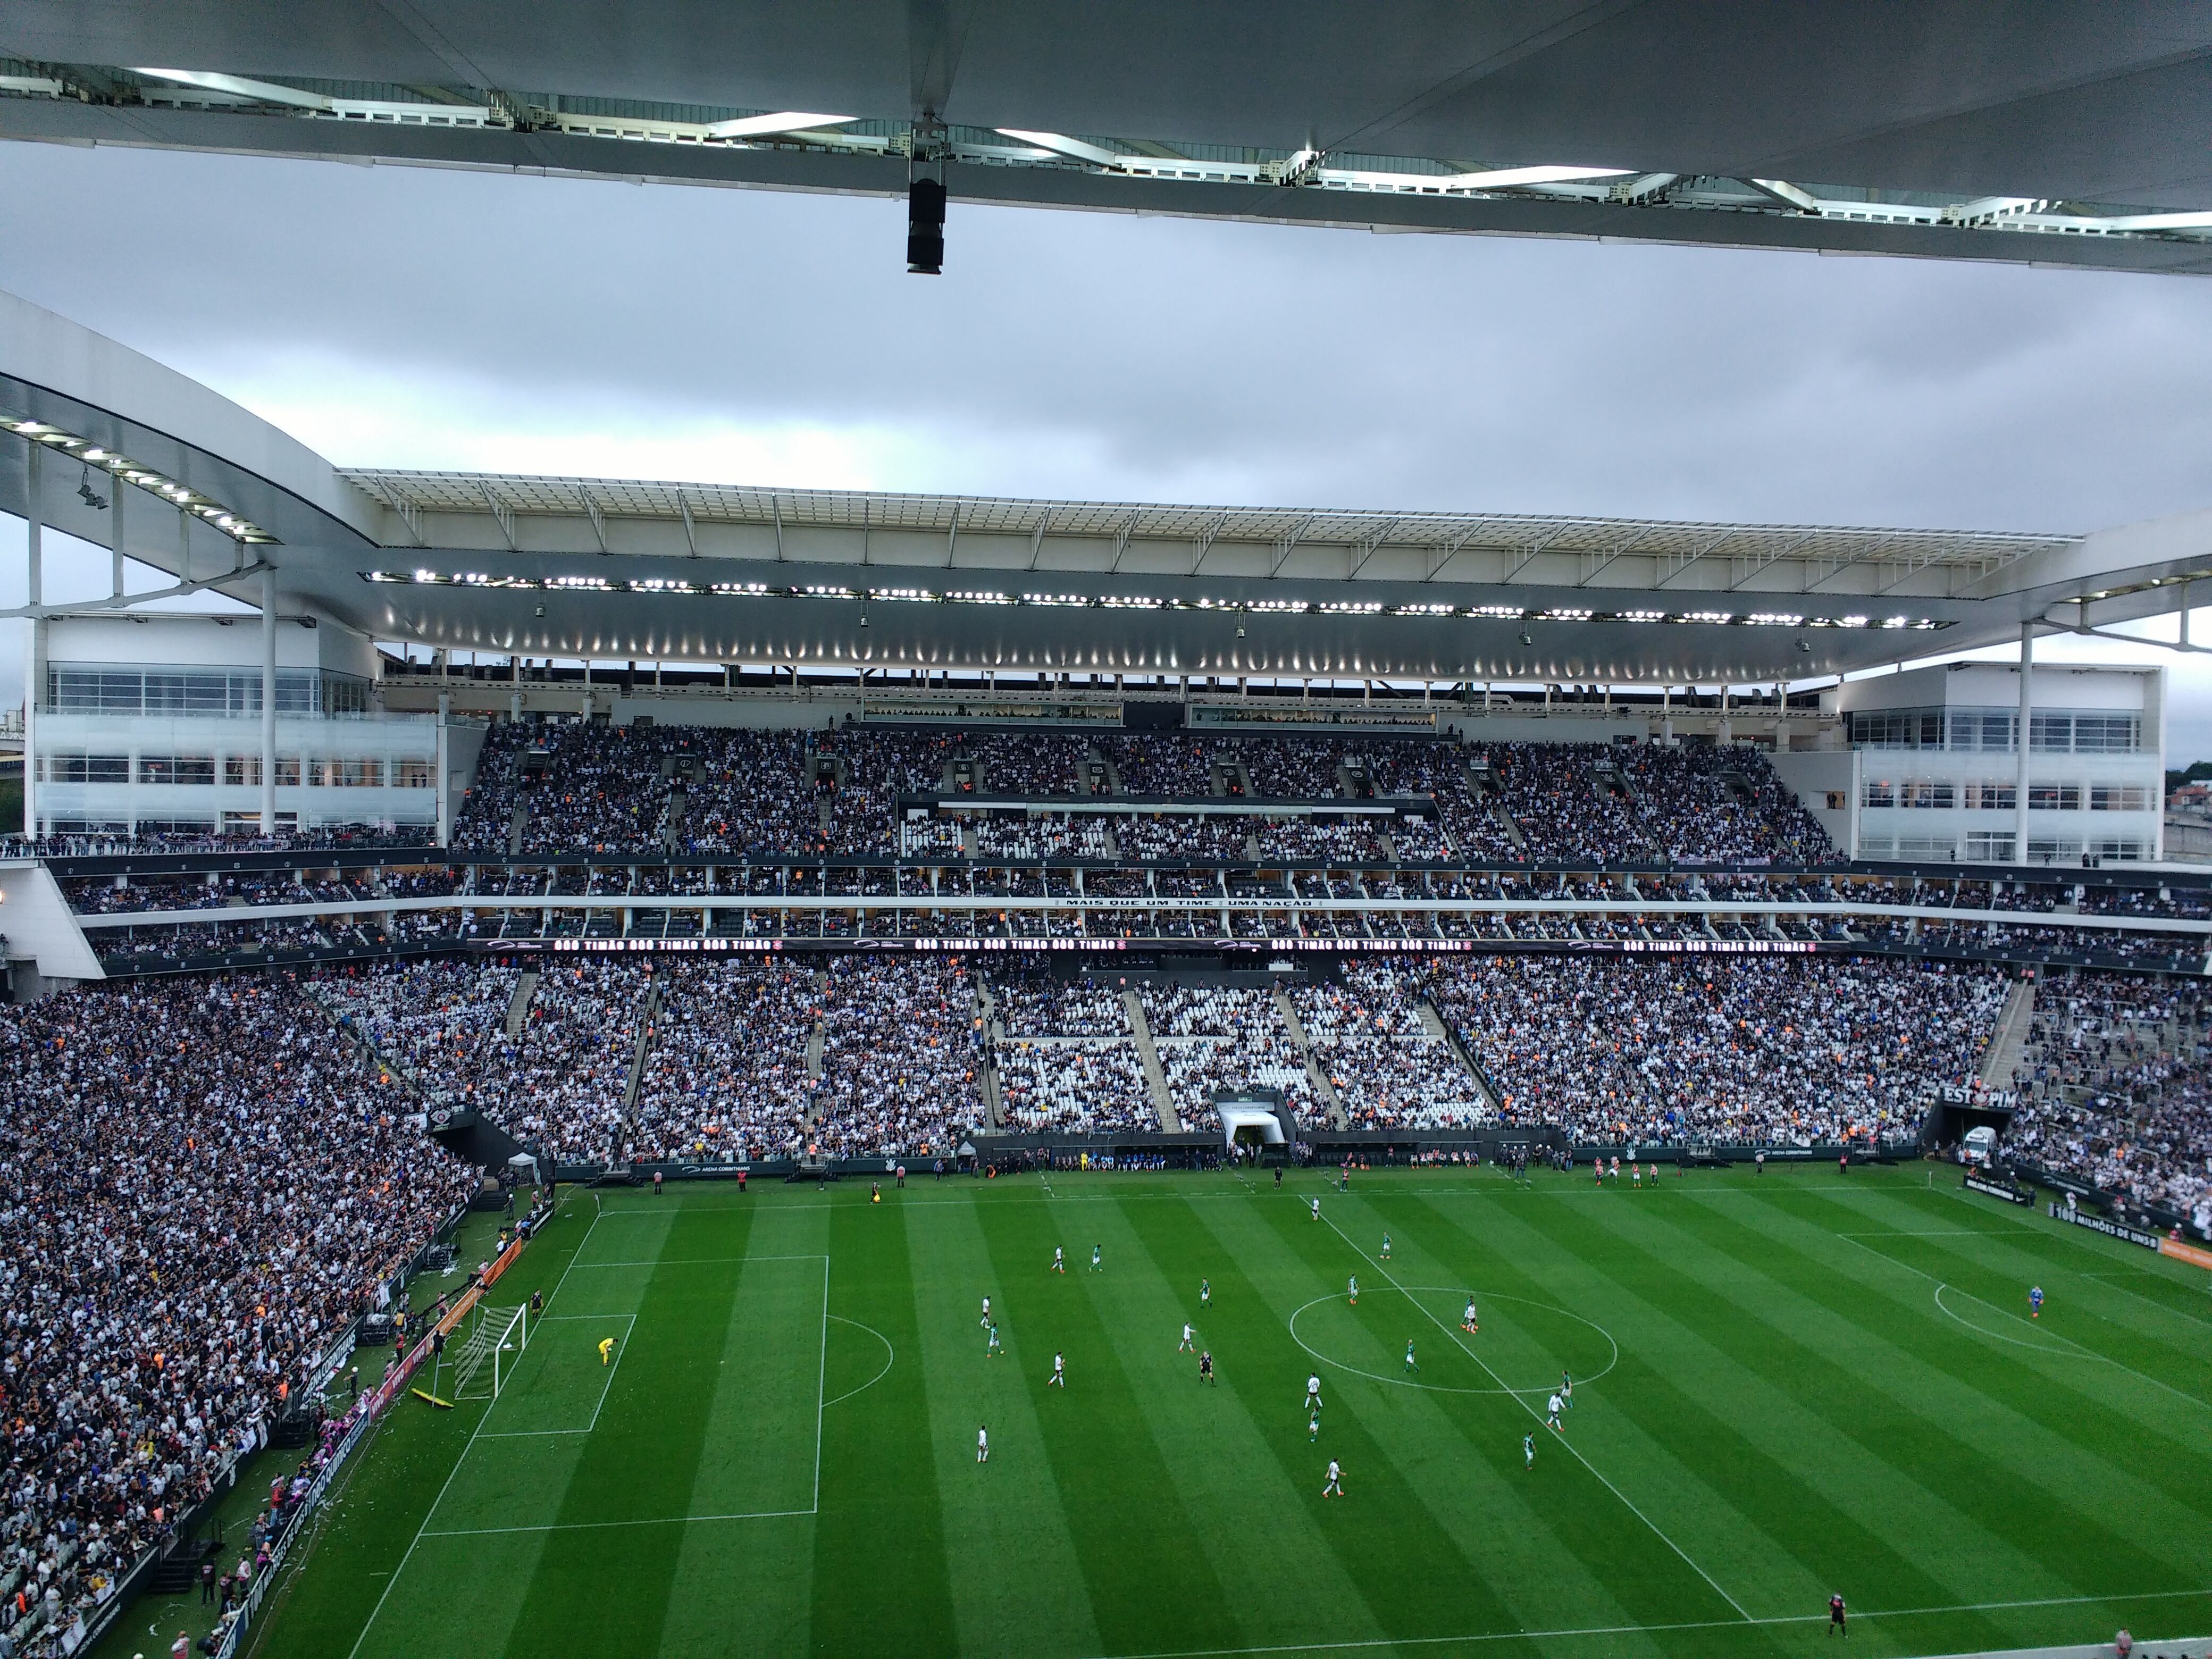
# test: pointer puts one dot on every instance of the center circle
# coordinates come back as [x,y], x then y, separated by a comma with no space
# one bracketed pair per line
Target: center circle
[1483,1299]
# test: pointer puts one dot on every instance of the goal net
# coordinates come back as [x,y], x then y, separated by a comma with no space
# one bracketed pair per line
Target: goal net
[497,1338]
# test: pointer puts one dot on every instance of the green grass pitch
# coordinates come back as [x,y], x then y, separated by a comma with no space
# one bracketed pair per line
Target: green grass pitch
[1787,1385]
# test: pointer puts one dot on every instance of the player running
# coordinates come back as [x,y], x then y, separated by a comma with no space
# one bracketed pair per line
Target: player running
[1313,1391]
[1206,1368]
[1466,1322]
[1552,1420]
[2035,1302]
[1317,1207]
[1410,1365]
[985,1319]
[1386,1247]
[1060,1374]
[1567,1390]
[994,1351]
[1095,1267]
[1187,1346]
[1836,1624]
[1528,1451]
[1336,1486]
[1059,1259]
[1352,1289]
[983,1442]
[1313,1425]
[1205,1292]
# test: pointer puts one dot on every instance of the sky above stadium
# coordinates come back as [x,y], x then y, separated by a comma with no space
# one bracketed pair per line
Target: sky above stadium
[402,317]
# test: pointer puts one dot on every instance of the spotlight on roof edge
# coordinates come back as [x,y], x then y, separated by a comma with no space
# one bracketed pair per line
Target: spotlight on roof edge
[92,454]
[763,126]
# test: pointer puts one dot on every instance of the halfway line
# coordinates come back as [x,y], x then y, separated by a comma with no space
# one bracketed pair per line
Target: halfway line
[1453,1337]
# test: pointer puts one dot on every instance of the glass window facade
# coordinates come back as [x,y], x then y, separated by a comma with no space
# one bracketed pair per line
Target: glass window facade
[105,689]
[2058,732]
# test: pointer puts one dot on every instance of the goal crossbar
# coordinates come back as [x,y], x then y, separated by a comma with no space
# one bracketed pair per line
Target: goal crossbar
[483,1362]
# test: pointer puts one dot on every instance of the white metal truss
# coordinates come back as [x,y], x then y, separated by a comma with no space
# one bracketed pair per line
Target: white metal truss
[1652,553]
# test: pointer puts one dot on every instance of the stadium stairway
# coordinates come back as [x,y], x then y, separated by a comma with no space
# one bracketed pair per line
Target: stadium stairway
[1436,1025]
[1163,1102]
[518,824]
[517,1005]
[654,995]
[994,1033]
[2003,1054]
[1324,1089]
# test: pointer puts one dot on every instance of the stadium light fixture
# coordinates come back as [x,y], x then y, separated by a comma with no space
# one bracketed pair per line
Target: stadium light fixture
[768,126]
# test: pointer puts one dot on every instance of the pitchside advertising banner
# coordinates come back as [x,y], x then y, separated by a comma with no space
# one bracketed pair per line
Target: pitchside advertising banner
[697,944]
[1997,1187]
[2194,1255]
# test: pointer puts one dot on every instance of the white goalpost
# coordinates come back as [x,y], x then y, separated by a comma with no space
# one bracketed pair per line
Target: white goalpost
[484,1362]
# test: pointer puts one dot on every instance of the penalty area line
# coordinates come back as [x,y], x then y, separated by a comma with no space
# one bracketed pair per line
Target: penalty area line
[603,1526]
[453,1474]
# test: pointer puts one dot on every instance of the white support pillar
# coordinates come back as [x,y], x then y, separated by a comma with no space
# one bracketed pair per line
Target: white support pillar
[444,770]
[34,660]
[2023,739]
[1667,713]
[269,701]
[117,489]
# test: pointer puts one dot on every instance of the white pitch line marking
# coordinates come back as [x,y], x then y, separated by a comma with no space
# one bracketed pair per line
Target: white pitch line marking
[1453,1337]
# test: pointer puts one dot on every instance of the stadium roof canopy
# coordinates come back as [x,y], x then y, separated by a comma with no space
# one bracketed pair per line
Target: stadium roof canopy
[193,484]
[2078,135]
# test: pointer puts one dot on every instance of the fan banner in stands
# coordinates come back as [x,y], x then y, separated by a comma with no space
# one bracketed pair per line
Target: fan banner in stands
[2097,1223]
[2004,1189]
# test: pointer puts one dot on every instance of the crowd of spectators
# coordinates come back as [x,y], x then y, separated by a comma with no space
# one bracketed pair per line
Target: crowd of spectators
[727,1073]
[1389,1069]
[1215,1039]
[2115,1089]
[202,1185]
[557,1084]
[704,789]
[901,1044]
[1787,1049]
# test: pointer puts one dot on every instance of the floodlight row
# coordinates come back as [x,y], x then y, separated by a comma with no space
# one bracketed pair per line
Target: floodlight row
[678,586]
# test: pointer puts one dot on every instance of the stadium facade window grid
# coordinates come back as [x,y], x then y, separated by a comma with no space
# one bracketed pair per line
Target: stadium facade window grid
[2058,732]
[235,693]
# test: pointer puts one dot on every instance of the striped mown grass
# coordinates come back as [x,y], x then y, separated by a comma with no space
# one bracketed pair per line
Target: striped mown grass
[1787,1385]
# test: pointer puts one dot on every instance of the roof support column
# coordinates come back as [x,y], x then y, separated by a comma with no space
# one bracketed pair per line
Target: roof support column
[117,489]
[2022,739]
[269,701]
[34,661]
[445,768]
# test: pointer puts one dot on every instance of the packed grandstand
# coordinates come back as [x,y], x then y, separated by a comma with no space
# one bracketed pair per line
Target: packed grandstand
[1645,949]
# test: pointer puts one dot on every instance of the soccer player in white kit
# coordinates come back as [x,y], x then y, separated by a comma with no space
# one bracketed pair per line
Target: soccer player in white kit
[1313,1391]
[1059,1259]
[1317,1208]
[985,1319]
[1552,1421]
[1467,1321]
[1060,1376]
[983,1442]
[1185,1345]
[1335,1487]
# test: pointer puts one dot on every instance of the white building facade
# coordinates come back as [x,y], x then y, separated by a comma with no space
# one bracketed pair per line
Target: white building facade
[1935,772]
[152,723]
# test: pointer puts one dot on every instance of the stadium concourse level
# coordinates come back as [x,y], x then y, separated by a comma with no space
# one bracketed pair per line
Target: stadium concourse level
[2114,1090]
[708,790]
[165,920]
[203,1186]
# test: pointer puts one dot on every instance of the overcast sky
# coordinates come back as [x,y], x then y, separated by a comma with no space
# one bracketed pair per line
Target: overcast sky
[402,317]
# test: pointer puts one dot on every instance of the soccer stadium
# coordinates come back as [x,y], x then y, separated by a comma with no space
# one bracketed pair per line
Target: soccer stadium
[622,1066]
